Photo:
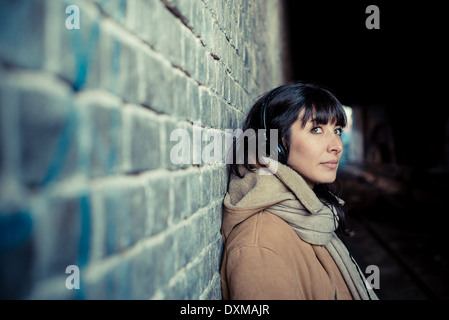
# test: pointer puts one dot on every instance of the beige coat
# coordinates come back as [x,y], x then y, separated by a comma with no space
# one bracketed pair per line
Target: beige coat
[264,258]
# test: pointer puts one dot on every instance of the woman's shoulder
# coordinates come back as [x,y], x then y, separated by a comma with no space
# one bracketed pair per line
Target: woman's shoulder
[264,230]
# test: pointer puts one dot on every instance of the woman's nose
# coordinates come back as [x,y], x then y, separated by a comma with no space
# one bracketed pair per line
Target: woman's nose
[335,144]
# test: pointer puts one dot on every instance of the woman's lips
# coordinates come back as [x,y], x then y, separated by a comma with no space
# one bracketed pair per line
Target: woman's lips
[330,164]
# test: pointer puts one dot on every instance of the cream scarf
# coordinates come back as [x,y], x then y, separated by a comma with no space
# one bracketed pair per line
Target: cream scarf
[286,195]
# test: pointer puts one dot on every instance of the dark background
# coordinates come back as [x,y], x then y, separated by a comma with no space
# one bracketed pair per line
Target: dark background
[396,205]
[401,66]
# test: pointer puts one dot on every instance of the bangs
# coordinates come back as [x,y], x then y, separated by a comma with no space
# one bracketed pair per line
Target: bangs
[324,112]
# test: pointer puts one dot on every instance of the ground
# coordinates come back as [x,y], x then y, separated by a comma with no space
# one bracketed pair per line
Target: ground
[398,214]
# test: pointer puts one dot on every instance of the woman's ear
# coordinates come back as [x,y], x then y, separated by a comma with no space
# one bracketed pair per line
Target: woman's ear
[283,142]
[282,149]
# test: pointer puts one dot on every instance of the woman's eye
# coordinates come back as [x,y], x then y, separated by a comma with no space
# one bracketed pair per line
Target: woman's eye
[316,130]
[338,131]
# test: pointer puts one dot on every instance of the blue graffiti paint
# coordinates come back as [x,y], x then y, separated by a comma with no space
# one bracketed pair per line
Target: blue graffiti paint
[80,294]
[122,8]
[125,220]
[109,280]
[84,240]
[65,139]
[115,137]
[84,53]
[118,11]
[15,229]
[124,271]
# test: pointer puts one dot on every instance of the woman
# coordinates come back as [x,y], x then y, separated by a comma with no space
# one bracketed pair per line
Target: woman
[281,213]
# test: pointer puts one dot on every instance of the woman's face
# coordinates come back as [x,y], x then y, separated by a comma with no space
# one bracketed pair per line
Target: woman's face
[315,150]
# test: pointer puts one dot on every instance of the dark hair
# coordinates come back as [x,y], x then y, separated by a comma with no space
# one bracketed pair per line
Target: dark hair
[279,109]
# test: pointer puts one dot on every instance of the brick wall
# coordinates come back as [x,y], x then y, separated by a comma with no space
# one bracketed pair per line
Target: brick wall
[86,116]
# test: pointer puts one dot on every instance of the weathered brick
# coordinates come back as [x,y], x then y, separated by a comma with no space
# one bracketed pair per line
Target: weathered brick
[158,264]
[192,103]
[88,114]
[142,137]
[102,130]
[160,82]
[121,216]
[116,9]
[131,62]
[112,281]
[195,188]
[181,199]
[215,111]
[16,253]
[62,231]
[47,122]
[17,38]
[205,105]
[177,138]
[73,54]
[159,208]
[219,176]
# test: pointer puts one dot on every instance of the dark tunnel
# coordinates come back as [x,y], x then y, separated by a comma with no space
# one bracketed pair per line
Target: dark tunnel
[396,172]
